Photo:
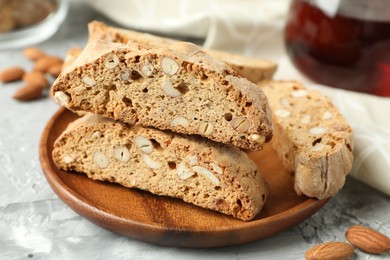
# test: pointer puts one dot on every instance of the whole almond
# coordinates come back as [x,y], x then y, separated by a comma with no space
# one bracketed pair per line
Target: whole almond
[36,78]
[28,92]
[11,74]
[368,240]
[44,63]
[330,251]
[33,53]
[55,69]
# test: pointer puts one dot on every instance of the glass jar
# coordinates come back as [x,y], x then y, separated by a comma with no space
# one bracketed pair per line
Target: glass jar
[341,43]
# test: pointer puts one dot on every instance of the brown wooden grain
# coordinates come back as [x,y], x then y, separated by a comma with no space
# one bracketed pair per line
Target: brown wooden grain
[166,221]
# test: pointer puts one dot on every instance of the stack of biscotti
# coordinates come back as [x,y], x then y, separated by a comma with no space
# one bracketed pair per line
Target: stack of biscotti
[177,116]
[310,136]
[172,105]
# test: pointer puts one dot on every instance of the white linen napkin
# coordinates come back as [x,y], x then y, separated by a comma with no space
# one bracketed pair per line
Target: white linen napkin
[255,28]
[222,23]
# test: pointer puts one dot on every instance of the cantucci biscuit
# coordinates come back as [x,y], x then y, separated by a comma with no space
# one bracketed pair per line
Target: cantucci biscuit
[208,174]
[180,88]
[253,69]
[311,137]
[71,56]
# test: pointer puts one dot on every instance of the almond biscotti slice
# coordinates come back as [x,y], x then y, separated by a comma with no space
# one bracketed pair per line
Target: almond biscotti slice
[181,89]
[71,56]
[311,137]
[253,69]
[192,168]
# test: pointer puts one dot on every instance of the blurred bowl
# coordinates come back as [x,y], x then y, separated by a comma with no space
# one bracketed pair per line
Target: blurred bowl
[34,21]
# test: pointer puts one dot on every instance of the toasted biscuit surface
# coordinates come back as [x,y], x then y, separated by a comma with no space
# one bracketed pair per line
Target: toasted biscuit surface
[192,168]
[253,69]
[181,89]
[311,137]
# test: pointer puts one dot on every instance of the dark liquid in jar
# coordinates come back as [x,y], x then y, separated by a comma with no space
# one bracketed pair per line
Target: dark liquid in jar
[340,51]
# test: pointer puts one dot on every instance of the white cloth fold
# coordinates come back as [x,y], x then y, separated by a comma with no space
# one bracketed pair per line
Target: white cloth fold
[255,28]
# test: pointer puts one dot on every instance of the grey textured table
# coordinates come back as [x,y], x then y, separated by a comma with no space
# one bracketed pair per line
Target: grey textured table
[36,224]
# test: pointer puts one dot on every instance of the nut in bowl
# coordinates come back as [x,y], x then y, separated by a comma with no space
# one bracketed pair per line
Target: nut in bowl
[23,24]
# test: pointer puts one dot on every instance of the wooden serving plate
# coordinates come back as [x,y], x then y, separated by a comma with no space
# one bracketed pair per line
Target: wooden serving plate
[166,221]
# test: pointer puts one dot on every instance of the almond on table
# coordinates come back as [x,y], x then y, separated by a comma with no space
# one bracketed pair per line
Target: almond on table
[330,251]
[55,69]
[36,78]
[368,240]
[11,74]
[44,63]
[36,82]
[28,93]
[33,53]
